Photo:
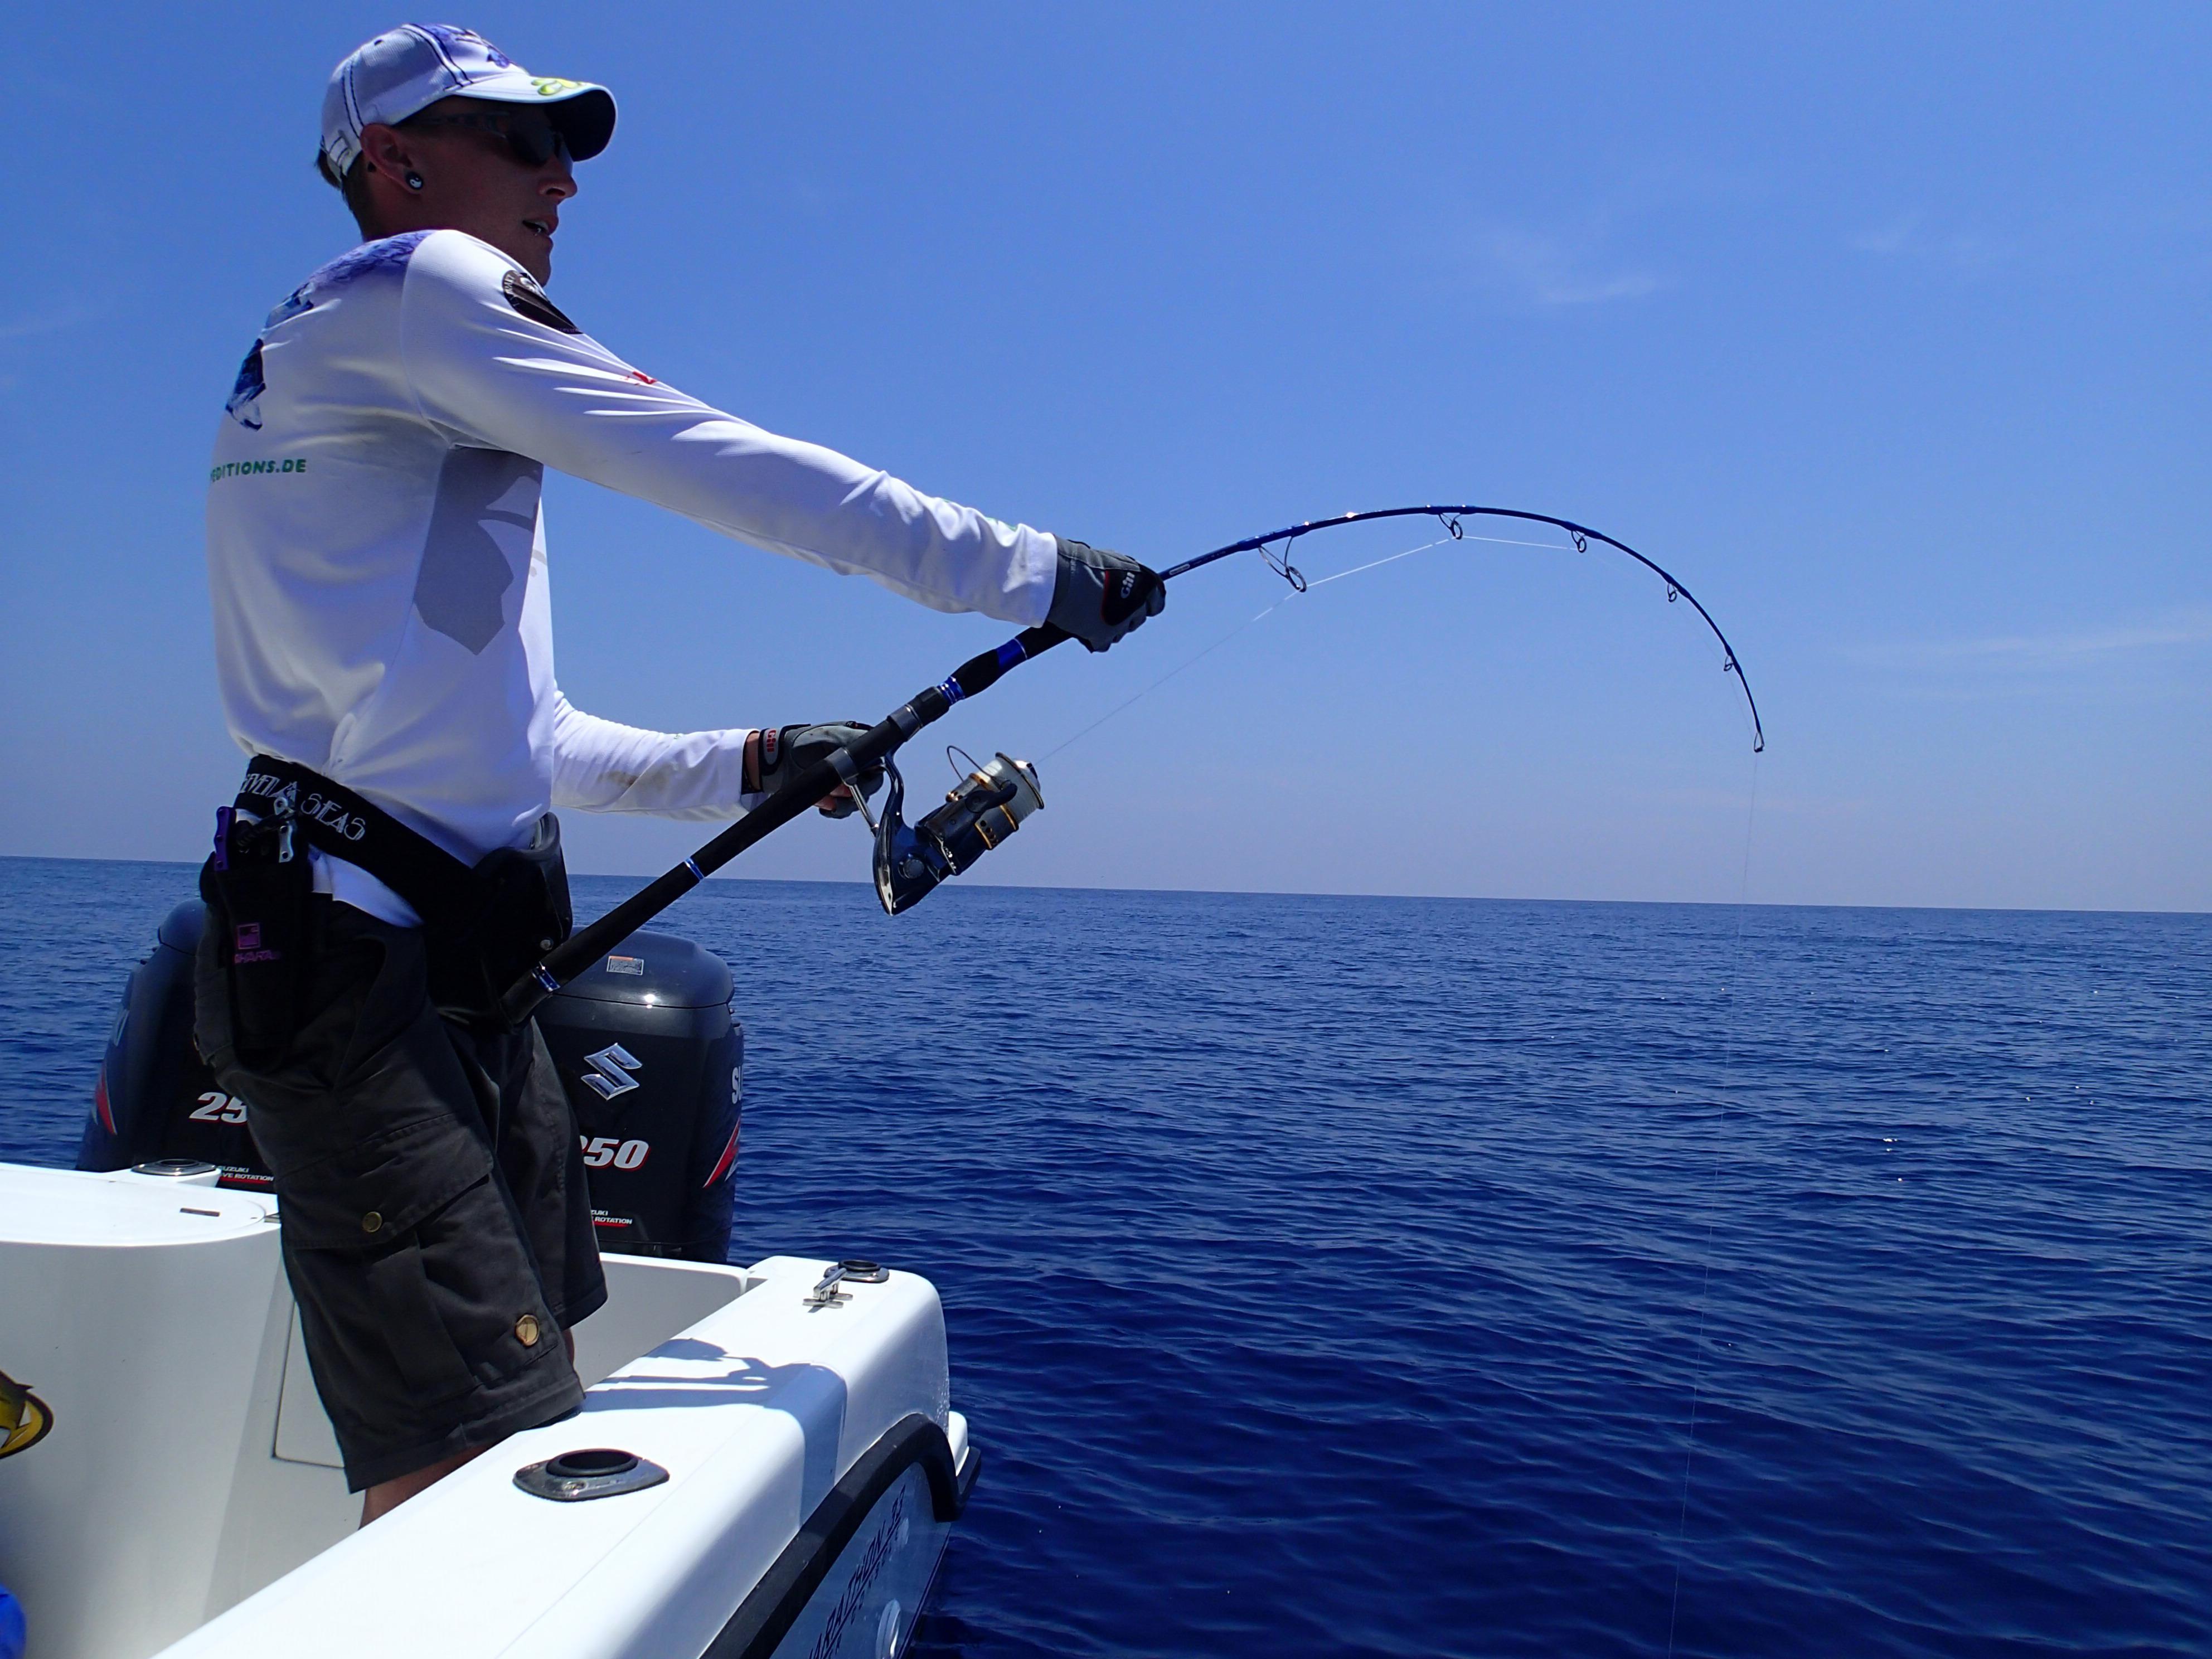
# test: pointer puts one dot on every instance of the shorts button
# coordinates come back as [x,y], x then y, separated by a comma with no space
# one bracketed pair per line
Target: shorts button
[370,1221]
[525,1330]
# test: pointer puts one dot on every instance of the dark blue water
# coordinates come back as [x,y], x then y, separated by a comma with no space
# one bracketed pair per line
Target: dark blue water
[1338,1275]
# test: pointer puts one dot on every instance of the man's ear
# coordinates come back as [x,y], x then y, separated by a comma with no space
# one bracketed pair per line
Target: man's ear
[385,151]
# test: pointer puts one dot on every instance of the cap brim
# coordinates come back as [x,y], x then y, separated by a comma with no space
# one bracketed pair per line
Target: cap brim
[586,120]
[582,113]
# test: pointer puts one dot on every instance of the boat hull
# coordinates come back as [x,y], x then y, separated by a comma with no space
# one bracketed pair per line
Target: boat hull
[187,1500]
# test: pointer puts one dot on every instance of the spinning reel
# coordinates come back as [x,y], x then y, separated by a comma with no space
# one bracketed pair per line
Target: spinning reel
[983,809]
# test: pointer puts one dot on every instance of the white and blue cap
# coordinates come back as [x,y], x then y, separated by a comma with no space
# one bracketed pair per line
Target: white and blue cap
[403,71]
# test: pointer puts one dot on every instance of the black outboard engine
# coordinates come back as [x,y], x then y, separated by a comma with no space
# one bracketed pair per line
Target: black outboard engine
[643,1042]
[154,1096]
[654,1069]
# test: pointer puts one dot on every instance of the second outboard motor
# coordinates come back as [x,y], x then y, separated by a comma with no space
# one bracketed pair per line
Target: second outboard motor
[154,1096]
[643,1041]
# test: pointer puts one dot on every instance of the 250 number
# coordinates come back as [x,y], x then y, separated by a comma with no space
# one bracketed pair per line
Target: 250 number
[217,1106]
[602,1151]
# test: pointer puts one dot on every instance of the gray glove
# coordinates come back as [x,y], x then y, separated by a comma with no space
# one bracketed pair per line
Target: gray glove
[1100,595]
[776,754]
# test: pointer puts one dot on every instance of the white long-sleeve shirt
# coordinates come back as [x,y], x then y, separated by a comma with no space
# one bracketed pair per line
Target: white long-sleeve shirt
[376,552]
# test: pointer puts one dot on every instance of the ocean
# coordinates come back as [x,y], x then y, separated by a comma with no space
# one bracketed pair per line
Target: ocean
[1425,1277]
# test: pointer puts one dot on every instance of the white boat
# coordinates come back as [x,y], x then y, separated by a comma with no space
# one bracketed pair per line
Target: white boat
[797,1463]
[767,1462]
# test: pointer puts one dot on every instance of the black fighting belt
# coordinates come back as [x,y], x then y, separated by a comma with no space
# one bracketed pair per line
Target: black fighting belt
[337,822]
[483,925]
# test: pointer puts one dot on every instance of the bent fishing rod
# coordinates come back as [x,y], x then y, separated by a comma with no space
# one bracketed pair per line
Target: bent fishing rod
[991,801]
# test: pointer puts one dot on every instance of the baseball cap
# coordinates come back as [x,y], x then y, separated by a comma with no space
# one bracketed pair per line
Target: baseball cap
[403,71]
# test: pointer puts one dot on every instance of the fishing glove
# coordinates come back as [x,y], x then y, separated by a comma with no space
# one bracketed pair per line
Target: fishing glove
[1100,595]
[776,754]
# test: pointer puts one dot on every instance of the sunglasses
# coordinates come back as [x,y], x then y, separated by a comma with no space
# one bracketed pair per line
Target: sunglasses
[533,142]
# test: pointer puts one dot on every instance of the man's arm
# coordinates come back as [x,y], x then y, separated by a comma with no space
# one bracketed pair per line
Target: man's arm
[602,766]
[493,362]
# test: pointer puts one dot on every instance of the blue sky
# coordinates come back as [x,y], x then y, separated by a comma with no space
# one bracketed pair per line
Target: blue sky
[1885,328]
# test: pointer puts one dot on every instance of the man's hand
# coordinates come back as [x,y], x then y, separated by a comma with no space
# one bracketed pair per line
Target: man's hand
[1100,595]
[776,754]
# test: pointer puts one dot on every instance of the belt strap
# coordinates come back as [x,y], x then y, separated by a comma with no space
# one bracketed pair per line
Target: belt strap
[443,891]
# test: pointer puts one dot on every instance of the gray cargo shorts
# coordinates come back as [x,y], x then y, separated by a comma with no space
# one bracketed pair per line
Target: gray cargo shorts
[437,1230]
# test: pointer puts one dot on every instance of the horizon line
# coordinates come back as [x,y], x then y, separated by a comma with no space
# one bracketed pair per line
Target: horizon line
[1269,892]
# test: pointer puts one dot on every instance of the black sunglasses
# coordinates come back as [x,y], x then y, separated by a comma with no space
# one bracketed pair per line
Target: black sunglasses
[533,142]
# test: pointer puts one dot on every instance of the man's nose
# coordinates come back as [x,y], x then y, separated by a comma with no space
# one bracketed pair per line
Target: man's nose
[558,180]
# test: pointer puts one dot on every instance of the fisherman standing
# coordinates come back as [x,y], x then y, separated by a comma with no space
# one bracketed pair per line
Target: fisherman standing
[383,641]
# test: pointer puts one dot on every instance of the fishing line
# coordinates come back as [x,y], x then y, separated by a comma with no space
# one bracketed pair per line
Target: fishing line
[1378,563]
[1451,518]
[1192,662]
[1712,1202]
[1137,697]
[1303,585]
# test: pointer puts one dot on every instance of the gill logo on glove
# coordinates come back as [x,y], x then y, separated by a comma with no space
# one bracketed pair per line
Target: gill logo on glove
[24,1417]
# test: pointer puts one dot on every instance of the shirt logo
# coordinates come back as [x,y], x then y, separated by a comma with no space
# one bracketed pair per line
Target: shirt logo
[244,405]
[294,303]
[528,300]
[242,469]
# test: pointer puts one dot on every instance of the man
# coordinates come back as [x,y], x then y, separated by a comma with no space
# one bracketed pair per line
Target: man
[384,637]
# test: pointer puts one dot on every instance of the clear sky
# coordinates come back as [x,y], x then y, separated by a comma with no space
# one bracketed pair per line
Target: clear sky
[1885,328]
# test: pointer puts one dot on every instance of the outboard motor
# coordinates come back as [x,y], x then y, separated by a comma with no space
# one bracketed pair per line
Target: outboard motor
[154,1096]
[643,1042]
[654,1068]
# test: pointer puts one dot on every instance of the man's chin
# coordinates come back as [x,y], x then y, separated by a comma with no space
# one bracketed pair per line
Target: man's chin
[533,253]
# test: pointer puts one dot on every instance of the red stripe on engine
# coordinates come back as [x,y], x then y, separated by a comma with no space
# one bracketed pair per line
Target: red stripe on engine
[729,1157]
[99,1106]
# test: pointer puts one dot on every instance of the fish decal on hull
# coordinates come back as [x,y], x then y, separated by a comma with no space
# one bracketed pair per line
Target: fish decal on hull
[24,1417]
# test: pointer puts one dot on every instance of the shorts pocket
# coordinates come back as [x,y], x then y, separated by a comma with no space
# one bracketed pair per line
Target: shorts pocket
[377,1190]
[414,1281]
[482,1287]
[401,1302]
[407,1316]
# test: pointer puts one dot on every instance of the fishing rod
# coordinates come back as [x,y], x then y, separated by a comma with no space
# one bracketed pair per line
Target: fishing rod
[990,801]
[1450,517]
